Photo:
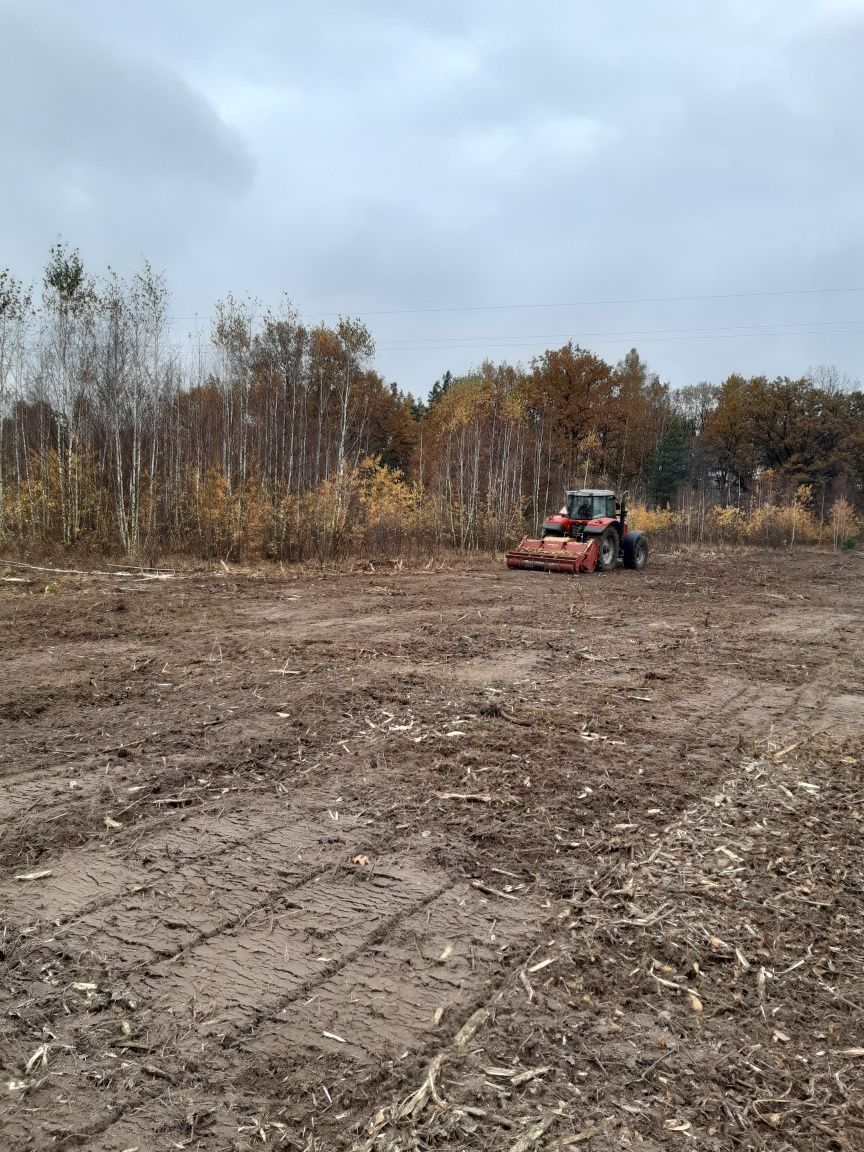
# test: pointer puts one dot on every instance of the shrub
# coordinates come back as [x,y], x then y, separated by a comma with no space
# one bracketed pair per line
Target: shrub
[844,527]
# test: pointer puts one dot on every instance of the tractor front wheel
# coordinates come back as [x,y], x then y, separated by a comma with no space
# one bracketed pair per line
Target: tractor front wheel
[607,550]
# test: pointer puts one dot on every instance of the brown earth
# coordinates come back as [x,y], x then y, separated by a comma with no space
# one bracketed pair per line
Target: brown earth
[444,859]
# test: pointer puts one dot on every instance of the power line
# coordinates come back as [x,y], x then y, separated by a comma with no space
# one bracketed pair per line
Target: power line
[540,341]
[646,339]
[579,303]
[742,329]
[600,303]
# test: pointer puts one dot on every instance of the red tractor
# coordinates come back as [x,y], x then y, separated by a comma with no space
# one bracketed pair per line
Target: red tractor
[589,532]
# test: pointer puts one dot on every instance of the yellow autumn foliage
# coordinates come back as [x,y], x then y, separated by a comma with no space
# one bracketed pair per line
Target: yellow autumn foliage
[775,524]
[654,521]
[844,526]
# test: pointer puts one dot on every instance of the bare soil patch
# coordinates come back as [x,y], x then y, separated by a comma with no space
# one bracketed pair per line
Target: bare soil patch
[435,860]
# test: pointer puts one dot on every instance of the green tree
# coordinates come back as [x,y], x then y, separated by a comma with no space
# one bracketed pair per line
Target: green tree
[440,388]
[671,464]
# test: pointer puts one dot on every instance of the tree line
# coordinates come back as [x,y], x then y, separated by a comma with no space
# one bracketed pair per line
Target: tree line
[272,437]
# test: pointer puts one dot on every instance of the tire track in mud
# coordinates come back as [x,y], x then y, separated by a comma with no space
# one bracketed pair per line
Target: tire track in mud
[79,902]
[364,923]
[176,910]
[428,971]
[459,979]
[401,1012]
[173,851]
[152,914]
[210,955]
[756,709]
[170,914]
[376,956]
[198,908]
[324,925]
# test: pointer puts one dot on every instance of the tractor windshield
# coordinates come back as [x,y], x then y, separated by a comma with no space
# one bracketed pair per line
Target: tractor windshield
[587,506]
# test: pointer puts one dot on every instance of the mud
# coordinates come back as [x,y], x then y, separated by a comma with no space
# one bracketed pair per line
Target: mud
[285,836]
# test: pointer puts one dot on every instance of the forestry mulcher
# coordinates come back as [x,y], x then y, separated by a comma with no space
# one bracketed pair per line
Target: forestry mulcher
[589,533]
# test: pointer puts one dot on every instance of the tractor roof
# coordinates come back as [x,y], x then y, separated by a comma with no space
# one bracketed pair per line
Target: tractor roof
[590,492]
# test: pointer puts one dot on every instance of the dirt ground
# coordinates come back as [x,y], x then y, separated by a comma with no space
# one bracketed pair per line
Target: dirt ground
[455,859]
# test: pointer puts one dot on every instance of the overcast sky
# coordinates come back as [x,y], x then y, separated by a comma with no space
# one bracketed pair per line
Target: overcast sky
[418,162]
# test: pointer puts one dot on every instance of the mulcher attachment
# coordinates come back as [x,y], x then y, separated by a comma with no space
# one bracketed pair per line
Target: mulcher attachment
[554,554]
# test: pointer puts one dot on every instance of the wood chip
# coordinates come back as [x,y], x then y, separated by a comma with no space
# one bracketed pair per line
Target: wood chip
[159,1073]
[666,983]
[417,1101]
[533,1135]
[542,964]
[333,1036]
[469,1110]
[633,1109]
[785,751]
[27,876]
[580,1137]
[39,1056]
[529,1074]
[492,891]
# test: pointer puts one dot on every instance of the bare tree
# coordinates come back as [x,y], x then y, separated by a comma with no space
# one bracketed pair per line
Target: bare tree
[15,306]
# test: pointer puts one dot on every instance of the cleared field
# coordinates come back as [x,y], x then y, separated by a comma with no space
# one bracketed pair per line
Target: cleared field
[476,860]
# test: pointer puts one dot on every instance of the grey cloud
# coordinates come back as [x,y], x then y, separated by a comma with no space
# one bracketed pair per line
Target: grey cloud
[442,153]
[70,102]
[118,154]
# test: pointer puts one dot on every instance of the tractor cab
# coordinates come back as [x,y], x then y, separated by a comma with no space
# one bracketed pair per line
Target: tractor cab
[590,504]
[597,507]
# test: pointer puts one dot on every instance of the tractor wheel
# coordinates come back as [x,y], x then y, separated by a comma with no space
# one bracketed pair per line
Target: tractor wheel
[607,550]
[635,552]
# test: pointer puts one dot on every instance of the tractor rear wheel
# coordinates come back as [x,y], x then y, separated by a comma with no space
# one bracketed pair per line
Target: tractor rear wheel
[607,550]
[635,553]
